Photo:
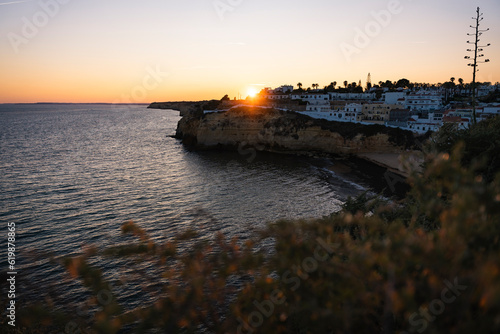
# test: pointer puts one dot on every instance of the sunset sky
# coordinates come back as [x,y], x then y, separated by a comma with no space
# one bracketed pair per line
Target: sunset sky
[163,50]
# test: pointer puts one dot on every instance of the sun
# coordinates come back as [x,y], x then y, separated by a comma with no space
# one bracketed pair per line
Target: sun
[252,92]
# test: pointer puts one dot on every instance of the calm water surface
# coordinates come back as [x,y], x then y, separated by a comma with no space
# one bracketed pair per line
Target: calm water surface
[71,175]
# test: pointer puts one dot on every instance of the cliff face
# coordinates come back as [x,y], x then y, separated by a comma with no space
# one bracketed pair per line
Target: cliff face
[278,131]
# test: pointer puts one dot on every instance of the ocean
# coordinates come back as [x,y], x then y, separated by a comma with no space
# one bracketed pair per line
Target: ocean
[72,174]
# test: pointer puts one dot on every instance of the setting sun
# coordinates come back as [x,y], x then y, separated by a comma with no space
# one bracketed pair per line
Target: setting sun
[252,92]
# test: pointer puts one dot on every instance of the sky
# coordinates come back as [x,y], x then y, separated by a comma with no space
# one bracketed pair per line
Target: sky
[131,51]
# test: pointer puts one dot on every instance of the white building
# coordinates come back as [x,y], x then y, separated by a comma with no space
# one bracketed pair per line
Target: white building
[464,113]
[492,110]
[424,101]
[279,96]
[310,97]
[395,98]
[482,113]
[282,92]
[485,90]
[353,108]
[285,89]
[352,96]
[332,115]
[321,107]
[422,125]
[348,113]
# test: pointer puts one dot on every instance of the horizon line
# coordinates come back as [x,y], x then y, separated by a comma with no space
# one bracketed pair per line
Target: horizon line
[109,103]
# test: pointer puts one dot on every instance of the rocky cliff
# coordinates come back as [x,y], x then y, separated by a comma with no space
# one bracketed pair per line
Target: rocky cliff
[279,131]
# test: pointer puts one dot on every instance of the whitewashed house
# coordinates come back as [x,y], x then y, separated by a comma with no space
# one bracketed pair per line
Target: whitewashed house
[492,110]
[395,98]
[310,97]
[341,114]
[424,101]
[317,102]
[422,125]
[285,89]
[352,96]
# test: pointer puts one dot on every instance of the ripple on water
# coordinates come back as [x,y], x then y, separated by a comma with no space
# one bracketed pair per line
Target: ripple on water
[70,175]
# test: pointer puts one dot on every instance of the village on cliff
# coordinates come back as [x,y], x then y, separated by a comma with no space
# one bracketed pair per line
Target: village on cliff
[414,107]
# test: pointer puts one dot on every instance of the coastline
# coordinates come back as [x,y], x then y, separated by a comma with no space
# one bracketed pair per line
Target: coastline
[397,163]
[368,173]
[376,156]
[288,132]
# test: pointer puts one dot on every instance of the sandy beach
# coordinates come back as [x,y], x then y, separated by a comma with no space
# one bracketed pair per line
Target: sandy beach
[399,163]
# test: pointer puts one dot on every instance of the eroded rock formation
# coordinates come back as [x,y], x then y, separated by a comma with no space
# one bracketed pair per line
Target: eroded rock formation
[280,131]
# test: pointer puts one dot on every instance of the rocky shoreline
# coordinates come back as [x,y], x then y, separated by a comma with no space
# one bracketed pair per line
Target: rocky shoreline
[267,129]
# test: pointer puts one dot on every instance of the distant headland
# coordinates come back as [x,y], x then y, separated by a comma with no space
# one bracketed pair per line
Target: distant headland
[187,107]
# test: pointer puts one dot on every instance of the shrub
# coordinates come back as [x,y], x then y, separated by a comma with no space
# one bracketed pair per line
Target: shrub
[481,145]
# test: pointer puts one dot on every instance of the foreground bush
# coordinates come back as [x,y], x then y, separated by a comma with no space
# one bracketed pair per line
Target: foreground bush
[481,145]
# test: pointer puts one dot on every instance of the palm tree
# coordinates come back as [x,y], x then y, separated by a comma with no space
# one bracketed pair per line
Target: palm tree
[451,86]
[334,84]
[345,84]
[461,83]
[300,85]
